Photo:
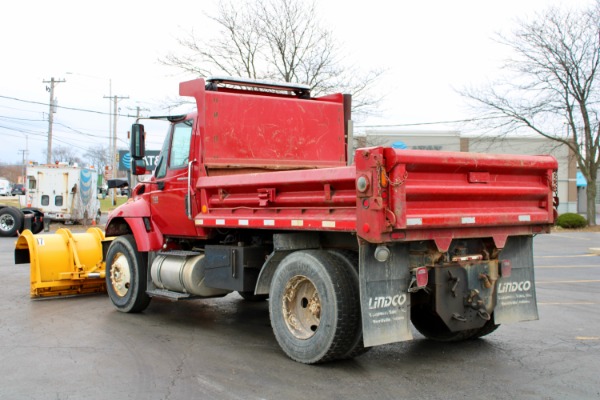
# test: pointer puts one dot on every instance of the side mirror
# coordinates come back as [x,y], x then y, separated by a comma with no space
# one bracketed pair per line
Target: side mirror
[138,142]
[138,166]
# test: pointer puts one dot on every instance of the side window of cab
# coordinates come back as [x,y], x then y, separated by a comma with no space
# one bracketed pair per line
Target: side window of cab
[180,147]
[175,152]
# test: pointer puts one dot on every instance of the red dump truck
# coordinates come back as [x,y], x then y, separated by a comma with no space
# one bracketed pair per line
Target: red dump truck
[253,193]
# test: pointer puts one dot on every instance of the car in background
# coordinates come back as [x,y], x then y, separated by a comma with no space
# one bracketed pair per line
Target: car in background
[18,189]
[4,187]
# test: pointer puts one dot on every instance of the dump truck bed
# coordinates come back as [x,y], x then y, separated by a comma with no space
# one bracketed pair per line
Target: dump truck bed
[410,195]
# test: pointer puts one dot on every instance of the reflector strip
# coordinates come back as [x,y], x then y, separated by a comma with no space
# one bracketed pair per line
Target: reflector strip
[414,221]
[343,225]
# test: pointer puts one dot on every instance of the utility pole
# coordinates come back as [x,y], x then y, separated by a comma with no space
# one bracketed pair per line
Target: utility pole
[25,153]
[50,89]
[114,165]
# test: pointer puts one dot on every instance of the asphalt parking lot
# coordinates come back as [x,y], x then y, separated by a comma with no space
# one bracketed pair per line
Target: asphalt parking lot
[78,348]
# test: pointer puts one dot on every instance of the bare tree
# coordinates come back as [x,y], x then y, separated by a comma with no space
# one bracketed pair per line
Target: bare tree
[65,154]
[98,156]
[552,87]
[280,40]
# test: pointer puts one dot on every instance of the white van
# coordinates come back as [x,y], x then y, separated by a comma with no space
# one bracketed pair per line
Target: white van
[5,187]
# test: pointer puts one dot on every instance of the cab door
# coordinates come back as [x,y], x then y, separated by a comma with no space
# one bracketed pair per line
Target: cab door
[168,196]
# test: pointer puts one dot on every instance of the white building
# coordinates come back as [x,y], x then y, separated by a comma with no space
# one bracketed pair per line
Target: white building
[454,141]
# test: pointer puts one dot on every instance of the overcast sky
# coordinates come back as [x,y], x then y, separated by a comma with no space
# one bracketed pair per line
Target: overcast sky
[428,48]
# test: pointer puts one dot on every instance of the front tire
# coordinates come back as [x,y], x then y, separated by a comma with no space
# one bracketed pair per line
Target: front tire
[313,311]
[126,274]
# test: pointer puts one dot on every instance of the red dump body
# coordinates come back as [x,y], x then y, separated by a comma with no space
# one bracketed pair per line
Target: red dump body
[429,195]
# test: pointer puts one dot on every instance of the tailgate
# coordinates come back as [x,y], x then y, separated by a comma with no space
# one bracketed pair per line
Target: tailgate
[416,195]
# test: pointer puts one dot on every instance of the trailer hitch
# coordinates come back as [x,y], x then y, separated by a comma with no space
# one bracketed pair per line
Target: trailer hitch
[474,300]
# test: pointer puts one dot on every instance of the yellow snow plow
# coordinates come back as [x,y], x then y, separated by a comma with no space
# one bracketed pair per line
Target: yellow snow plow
[63,263]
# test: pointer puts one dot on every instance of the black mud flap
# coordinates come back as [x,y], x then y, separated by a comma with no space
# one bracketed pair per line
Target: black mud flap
[516,300]
[384,298]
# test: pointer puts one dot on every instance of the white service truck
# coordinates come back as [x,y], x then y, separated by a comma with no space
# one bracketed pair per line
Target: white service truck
[64,193]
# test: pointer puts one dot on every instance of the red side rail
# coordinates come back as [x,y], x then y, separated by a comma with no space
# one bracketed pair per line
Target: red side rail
[317,199]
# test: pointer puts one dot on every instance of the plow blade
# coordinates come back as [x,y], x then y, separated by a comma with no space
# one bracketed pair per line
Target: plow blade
[63,263]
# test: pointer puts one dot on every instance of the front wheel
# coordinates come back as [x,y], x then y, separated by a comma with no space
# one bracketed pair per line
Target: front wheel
[126,274]
[312,307]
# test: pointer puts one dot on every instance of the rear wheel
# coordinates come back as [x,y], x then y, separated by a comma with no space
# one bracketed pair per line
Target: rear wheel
[350,259]
[11,221]
[432,327]
[37,220]
[312,307]
[489,327]
[37,227]
[126,274]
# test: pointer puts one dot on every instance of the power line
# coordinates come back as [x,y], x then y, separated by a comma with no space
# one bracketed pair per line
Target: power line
[64,107]
[24,131]
[22,119]
[428,123]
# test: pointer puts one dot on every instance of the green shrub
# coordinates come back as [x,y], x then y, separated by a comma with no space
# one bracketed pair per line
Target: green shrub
[571,221]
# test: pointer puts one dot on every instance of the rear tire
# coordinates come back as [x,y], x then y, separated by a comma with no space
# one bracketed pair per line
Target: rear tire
[312,307]
[432,327]
[350,258]
[126,274]
[489,327]
[37,220]
[11,221]
[37,227]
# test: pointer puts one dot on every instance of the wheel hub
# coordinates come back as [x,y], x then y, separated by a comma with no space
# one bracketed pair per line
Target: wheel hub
[301,307]
[120,276]
[6,222]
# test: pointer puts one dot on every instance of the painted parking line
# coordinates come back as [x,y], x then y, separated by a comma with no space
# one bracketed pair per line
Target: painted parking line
[568,256]
[567,303]
[565,266]
[587,337]
[576,281]
[571,237]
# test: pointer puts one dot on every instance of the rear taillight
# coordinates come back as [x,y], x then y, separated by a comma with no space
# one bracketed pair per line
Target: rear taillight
[422,276]
[505,268]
